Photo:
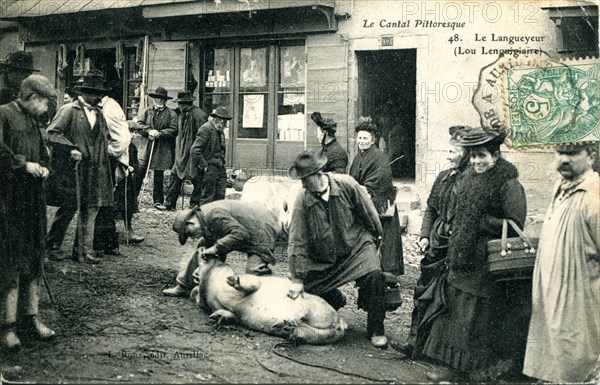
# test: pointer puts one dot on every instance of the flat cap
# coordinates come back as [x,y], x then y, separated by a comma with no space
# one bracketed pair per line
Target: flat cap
[37,84]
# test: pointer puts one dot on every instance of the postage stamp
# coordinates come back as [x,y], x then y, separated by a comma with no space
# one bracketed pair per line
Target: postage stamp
[549,103]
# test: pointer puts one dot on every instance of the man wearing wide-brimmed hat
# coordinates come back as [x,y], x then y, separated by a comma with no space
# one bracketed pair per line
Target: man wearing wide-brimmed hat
[79,138]
[563,345]
[208,155]
[191,118]
[159,130]
[333,239]
[23,169]
[13,69]
[222,227]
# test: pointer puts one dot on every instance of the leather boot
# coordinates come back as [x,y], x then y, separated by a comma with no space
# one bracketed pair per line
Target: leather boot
[8,338]
[34,328]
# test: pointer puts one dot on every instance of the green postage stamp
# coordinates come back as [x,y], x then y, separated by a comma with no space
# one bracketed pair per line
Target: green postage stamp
[550,103]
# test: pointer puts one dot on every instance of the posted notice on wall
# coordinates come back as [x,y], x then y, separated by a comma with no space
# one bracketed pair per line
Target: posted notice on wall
[254,107]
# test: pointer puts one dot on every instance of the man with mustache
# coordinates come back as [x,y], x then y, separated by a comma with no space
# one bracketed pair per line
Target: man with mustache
[564,331]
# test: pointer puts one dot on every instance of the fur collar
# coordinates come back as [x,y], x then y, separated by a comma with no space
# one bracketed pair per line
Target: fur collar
[477,194]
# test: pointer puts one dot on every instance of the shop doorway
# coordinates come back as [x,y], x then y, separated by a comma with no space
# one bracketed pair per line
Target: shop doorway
[104,60]
[387,93]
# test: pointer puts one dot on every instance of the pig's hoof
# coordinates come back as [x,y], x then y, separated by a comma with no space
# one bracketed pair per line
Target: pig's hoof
[285,328]
[233,281]
[221,317]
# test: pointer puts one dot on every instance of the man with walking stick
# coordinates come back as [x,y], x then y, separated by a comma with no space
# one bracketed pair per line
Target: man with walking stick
[78,133]
[24,163]
[159,129]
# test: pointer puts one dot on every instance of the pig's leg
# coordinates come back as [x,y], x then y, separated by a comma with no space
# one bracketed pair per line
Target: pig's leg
[222,316]
[245,283]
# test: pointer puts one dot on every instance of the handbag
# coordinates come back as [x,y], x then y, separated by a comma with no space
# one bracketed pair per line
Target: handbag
[511,258]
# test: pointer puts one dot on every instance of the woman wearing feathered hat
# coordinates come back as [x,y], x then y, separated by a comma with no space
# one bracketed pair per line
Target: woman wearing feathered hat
[461,334]
[372,170]
[337,157]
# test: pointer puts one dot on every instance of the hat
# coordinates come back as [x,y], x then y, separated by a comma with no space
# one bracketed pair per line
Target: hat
[478,136]
[306,164]
[184,96]
[37,84]
[180,222]
[326,124]
[457,133]
[365,123]
[575,147]
[160,93]
[92,83]
[221,112]
[19,59]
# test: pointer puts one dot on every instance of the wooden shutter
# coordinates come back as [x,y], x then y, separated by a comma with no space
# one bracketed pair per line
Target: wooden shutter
[167,67]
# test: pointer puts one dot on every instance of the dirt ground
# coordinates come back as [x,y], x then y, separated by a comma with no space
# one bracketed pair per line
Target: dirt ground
[115,326]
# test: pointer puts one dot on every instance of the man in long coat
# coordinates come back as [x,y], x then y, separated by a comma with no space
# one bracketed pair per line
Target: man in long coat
[24,162]
[224,226]
[159,129]
[333,238]
[190,119]
[79,139]
[563,345]
[208,156]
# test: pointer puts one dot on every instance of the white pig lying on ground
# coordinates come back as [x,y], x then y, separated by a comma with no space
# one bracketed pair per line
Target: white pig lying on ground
[261,303]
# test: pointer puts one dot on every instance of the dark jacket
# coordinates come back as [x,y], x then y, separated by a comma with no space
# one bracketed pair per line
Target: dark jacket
[165,122]
[208,147]
[22,197]
[337,158]
[485,199]
[189,123]
[243,226]
[332,241]
[70,129]
[371,169]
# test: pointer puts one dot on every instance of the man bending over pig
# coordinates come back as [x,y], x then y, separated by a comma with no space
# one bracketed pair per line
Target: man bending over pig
[333,239]
[224,226]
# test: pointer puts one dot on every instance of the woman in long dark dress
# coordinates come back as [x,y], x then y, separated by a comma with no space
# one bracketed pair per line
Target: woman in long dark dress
[372,170]
[460,322]
[435,234]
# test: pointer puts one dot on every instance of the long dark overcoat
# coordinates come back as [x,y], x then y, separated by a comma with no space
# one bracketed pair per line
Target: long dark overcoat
[22,197]
[189,123]
[70,129]
[165,122]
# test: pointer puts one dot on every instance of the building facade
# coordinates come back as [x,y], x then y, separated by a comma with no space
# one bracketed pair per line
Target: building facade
[412,66]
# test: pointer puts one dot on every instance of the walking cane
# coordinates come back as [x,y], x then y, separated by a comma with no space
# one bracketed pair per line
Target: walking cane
[79,229]
[182,191]
[148,167]
[126,212]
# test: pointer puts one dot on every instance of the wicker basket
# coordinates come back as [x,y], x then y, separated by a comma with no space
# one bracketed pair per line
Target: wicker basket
[511,258]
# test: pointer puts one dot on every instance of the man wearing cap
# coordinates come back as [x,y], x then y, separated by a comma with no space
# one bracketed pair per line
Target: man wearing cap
[563,345]
[224,226]
[79,138]
[159,129]
[208,155]
[337,158]
[190,119]
[333,239]
[14,68]
[24,163]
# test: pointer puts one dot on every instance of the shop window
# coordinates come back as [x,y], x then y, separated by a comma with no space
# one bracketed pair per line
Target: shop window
[291,96]
[253,94]
[258,79]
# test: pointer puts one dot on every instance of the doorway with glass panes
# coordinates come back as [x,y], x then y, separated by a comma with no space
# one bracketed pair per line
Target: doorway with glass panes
[264,86]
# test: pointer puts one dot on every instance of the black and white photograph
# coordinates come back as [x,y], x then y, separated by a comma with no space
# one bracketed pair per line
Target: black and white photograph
[299,192]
